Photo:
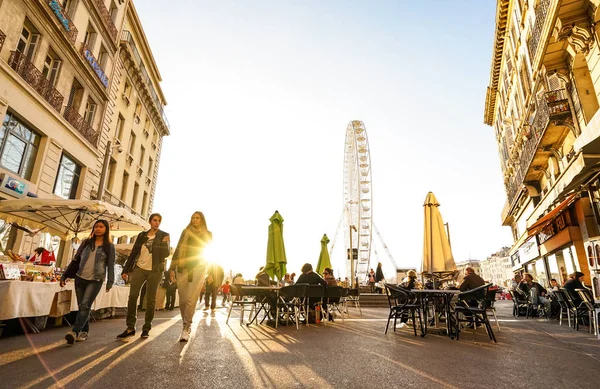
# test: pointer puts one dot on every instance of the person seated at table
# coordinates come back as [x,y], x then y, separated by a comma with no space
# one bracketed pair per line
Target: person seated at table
[409,282]
[308,276]
[554,285]
[536,292]
[286,280]
[471,280]
[328,276]
[514,283]
[575,282]
[262,278]
[292,277]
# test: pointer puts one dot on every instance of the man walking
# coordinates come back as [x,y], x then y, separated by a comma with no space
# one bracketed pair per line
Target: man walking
[145,264]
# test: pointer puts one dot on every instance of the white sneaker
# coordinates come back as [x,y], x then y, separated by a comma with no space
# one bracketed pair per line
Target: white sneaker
[403,325]
[82,336]
[185,335]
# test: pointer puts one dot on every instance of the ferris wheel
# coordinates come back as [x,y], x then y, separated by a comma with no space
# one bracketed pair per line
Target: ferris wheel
[358,202]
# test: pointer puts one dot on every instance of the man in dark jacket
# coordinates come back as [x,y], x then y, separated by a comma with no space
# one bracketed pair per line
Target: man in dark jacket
[574,282]
[536,292]
[145,264]
[471,280]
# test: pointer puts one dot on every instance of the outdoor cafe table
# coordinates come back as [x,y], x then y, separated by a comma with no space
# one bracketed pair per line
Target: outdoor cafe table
[427,295]
[262,297]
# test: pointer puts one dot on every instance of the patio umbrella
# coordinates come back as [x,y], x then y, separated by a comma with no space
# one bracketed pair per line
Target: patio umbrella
[69,218]
[276,259]
[437,254]
[324,260]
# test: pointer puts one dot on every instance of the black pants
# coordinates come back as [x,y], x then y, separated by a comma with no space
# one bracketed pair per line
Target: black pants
[171,290]
[210,297]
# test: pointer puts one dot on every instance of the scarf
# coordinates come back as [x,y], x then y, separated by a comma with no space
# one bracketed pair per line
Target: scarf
[189,252]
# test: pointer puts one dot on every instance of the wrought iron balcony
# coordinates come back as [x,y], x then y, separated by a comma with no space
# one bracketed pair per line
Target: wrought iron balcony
[532,135]
[558,104]
[2,38]
[61,17]
[137,59]
[541,13]
[18,61]
[81,125]
[106,18]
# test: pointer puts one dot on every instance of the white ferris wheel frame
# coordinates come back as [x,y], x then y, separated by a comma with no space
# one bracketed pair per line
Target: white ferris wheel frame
[358,201]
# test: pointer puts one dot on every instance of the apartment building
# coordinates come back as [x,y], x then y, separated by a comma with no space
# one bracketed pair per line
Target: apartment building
[64,68]
[542,102]
[497,268]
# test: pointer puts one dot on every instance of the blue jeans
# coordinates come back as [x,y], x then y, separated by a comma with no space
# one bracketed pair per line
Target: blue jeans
[86,292]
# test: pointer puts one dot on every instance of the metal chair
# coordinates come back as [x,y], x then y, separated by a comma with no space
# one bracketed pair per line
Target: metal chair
[472,306]
[490,302]
[353,297]
[402,302]
[314,297]
[564,307]
[241,301]
[587,303]
[291,303]
[519,302]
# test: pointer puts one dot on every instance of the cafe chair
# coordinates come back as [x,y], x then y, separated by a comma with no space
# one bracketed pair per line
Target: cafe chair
[564,307]
[490,304]
[291,303]
[353,297]
[471,307]
[519,302]
[314,301]
[333,296]
[240,301]
[403,302]
[587,304]
[578,310]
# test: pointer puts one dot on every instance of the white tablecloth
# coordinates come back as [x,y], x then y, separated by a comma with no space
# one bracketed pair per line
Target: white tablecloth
[28,299]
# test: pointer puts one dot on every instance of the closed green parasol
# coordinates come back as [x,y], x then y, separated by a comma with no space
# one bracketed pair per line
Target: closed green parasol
[276,259]
[324,260]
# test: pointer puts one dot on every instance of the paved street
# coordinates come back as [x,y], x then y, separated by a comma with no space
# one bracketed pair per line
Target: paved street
[354,353]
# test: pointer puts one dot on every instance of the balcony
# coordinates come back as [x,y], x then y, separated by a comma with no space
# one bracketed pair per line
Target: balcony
[105,16]
[541,13]
[547,128]
[81,126]
[558,104]
[61,18]
[112,199]
[36,79]
[2,38]
[127,39]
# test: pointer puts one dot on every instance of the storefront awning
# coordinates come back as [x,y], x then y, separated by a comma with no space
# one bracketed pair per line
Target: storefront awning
[539,225]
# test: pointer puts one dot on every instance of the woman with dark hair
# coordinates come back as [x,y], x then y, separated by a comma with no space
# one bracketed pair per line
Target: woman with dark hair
[379,277]
[189,263]
[95,256]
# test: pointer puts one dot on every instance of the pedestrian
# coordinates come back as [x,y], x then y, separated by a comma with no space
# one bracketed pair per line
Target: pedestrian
[226,292]
[214,278]
[372,280]
[379,278]
[93,260]
[145,265]
[189,264]
[171,285]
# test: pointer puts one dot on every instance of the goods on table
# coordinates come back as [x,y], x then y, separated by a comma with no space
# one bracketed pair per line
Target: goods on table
[9,271]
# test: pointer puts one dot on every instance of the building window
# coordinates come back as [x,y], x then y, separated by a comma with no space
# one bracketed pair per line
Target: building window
[150,166]
[103,57]
[18,147]
[52,66]
[112,167]
[28,40]
[127,89]
[120,124]
[90,112]
[90,37]
[124,187]
[131,143]
[136,188]
[142,155]
[145,204]
[113,12]
[67,179]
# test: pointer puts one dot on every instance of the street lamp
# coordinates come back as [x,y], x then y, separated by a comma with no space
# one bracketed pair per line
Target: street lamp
[107,154]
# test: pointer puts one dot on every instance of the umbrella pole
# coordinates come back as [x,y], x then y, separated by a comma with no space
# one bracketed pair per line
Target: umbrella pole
[431,244]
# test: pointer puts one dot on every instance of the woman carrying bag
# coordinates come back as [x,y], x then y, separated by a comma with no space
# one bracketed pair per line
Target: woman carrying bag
[189,263]
[94,258]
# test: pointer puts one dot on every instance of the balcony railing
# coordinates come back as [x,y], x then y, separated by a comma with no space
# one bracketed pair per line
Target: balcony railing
[62,18]
[106,18]
[541,12]
[558,104]
[533,134]
[81,125]
[126,37]
[2,38]
[18,61]
[112,199]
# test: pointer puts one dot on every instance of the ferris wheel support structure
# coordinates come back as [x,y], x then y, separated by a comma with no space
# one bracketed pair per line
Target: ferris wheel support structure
[358,201]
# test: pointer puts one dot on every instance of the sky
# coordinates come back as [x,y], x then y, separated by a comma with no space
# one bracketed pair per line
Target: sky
[259,97]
